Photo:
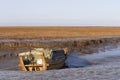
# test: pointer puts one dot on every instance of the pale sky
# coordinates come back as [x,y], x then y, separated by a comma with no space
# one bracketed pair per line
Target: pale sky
[59,12]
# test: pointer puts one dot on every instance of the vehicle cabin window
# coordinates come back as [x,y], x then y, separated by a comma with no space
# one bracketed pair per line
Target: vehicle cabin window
[58,55]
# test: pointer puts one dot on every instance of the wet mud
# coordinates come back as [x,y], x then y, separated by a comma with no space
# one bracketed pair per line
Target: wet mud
[9,49]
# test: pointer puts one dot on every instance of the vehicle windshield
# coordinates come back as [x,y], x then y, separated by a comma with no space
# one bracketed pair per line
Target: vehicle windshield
[58,55]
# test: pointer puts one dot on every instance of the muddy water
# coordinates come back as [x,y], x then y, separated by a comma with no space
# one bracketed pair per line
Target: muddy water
[111,54]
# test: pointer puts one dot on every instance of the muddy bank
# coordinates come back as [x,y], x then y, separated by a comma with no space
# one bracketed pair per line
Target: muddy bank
[10,50]
[109,71]
[72,44]
[99,72]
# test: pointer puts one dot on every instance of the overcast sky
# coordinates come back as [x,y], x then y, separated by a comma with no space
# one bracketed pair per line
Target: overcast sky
[59,12]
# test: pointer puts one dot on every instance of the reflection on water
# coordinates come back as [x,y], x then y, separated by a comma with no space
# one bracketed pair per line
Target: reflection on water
[111,54]
[75,60]
[100,55]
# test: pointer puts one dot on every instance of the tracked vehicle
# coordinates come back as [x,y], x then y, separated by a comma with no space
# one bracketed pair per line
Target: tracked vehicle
[42,59]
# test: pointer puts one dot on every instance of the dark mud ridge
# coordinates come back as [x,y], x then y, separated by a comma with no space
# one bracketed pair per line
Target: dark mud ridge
[74,44]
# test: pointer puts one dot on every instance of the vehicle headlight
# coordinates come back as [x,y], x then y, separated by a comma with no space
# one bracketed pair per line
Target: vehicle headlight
[39,61]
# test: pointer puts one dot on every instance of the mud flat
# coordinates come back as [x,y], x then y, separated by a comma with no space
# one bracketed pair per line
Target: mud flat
[99,72]
[108,67]
[107,71]
[50,32]
[10,49]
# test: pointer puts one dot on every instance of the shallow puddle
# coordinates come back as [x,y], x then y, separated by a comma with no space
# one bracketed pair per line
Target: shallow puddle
[111,54]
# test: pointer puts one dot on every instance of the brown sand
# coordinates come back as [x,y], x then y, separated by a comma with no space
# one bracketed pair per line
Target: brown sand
[57,32]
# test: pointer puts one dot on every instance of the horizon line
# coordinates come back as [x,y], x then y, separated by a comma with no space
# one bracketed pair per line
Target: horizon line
[58,26]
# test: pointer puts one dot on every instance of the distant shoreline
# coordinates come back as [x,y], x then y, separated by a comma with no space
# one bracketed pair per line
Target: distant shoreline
[69,26]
